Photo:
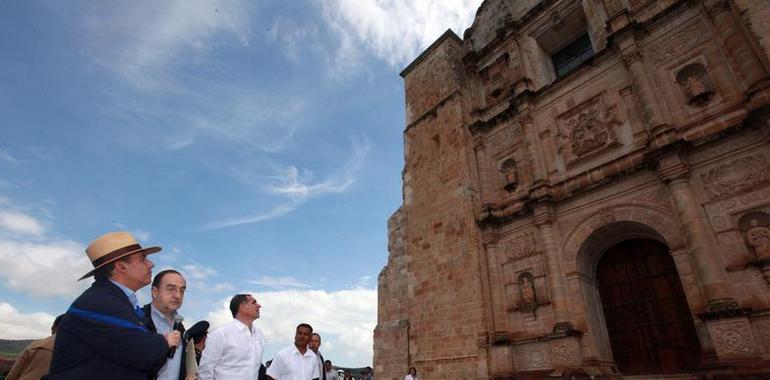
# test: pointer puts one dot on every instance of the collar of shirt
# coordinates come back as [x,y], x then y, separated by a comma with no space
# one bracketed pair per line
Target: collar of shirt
[129,293]
[307,351]
[162,323]
[241,327]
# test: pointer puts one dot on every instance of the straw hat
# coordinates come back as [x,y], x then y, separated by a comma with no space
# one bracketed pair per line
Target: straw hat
[113,246]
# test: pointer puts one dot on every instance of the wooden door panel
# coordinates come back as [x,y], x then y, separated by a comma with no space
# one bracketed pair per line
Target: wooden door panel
[648,319]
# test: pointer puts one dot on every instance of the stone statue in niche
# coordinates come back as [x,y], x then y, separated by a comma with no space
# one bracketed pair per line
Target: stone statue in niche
[527,286]
[510,175]
[758,238]
[527,301]
[696,84]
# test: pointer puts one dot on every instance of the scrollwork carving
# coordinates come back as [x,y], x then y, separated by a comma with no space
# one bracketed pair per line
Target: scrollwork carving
[736,176]
[587,129]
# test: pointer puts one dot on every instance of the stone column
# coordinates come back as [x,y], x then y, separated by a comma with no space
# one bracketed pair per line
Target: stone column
[543,219]
[531,144]
[711,275]
[482,167]
[633,58]
[739,52]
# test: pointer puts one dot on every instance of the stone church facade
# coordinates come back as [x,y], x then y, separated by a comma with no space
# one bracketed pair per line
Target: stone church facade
[586,192]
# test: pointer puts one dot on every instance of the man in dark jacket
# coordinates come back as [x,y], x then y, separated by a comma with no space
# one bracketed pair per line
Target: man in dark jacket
[161,314]
[102,336]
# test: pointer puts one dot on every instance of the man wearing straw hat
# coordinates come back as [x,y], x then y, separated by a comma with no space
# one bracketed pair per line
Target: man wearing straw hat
[101,336]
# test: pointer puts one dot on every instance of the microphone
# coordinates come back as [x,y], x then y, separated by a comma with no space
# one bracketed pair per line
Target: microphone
[177,327]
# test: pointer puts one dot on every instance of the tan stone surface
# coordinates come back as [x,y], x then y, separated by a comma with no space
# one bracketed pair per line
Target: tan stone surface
[516,182]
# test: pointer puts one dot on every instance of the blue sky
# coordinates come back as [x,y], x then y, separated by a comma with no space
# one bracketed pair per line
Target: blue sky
[258,142]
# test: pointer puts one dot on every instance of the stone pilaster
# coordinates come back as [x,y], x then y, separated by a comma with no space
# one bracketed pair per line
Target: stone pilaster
[482,168]
[543,219]
[739,52]
[633,58]
[710,273]
[532,146]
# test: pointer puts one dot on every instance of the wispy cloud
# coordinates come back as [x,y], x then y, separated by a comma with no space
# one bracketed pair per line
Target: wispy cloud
[23,264]
[16,325]
[21,223]
[345,319]
[393,30]
[276,212]
[278,282]
[297,188]
[142,235]
[198,272]
[291,37]
[300,187]
[5,156]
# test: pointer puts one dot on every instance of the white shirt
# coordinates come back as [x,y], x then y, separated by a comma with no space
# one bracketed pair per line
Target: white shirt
[232,353]
[170,370]
[290,364]
[409,377]
[332,375]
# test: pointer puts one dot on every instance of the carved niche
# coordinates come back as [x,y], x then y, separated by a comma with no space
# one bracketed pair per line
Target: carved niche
[696,84]
[587,129]
[756,233]
[736,176]
[510,174]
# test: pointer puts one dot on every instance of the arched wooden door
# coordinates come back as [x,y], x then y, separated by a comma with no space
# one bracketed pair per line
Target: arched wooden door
[649,322]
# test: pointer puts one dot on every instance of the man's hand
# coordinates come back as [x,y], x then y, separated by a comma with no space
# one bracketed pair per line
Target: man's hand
[173,338]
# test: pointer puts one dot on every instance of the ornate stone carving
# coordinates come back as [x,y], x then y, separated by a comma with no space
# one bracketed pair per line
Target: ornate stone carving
[565,352]
[759,239]
[507,135]
[527,301]
[587,129]
[732,338]
[678,43]
[532,357]
[736,176]
[520,245]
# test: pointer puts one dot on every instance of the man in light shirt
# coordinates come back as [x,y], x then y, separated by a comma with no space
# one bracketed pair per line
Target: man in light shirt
[167,291]
[314,345]
[331,374]
[296,362]
[234,351]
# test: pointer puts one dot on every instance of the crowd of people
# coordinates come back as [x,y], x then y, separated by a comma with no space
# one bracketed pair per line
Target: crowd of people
[106,334]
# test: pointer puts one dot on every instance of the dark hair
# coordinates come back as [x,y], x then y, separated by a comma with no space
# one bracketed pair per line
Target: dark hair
[315,334]
[236,302]
[55,324]
[198,338]
[328,361]
[159,277]
[410,370]
[306,325]
[105,272]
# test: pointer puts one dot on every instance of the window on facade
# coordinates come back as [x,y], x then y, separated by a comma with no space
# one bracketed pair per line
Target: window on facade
[572,55]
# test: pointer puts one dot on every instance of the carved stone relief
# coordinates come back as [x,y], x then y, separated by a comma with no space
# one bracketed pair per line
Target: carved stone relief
[565,353]
[519,245]
[533,356]
[678,43]
[736,176]
[506,137]
[762,329]
[587,129]
[732,338]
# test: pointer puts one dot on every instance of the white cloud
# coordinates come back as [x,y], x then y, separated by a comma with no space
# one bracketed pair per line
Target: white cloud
[21,223]
[299,187]
[393,30]
[15,325]
[45,269]
[198,272]
[279,282]
[222,287]
[345,319]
